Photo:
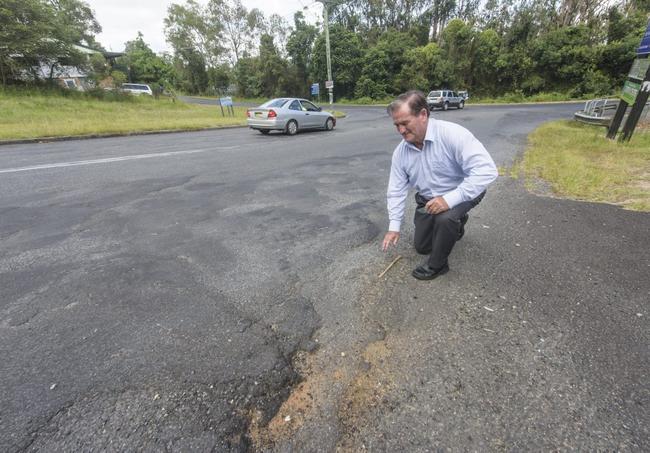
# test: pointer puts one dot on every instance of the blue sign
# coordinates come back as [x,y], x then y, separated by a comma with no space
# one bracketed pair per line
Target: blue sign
[315,89]
[225,102]
[644,48]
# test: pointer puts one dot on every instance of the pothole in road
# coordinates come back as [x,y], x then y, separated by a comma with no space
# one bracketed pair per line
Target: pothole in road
[366,392]
[338,390]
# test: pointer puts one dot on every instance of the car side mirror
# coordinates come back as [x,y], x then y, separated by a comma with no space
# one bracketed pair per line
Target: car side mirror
[320,109]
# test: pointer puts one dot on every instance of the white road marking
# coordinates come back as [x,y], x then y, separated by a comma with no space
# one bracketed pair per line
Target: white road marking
[113,159]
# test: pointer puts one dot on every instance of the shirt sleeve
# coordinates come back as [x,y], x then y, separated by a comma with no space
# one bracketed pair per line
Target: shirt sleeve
[477,166]
[397,192]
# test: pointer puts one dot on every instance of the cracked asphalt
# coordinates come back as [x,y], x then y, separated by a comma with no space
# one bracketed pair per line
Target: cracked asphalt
[218,291]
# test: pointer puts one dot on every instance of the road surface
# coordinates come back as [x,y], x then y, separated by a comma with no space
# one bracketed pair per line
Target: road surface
[218,291]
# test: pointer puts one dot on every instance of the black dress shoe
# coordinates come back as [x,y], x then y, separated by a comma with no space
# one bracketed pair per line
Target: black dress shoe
[424,272]
[463,221]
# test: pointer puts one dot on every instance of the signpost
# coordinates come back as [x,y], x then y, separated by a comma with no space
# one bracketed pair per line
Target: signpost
[315,90]
[630,90]
[227,102]
[635,91]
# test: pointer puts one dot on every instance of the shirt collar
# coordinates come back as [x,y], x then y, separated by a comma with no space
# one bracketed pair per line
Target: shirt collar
[431,126]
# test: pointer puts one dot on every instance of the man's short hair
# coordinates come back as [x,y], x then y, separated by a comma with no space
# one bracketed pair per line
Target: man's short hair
[415,99]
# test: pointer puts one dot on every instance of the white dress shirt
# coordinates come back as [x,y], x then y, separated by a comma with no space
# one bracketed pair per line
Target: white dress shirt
[452,164]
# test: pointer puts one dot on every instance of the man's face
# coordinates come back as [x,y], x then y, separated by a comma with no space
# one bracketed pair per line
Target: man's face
[412,128]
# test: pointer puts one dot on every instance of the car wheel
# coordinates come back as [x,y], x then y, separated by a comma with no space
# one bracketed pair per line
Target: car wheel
[461,104]
[292,128]
[265,131]
[329,124]
[445,106]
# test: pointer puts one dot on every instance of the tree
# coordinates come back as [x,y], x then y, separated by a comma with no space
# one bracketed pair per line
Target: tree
[220,78]
[75,21]
[563,57]
[143,64]
[236,25]
[425,68]
[382,63]
[189,31]
[248,77]
[299,48]
[378,15]
[624,34]
[277,27]
[273,68]
[574,12]
[439,13]
[459,46]
[35,32]
[193,76]
[346,55]
[486,62]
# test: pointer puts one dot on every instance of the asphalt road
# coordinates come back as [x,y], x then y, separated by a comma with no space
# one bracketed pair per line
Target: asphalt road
[218,291]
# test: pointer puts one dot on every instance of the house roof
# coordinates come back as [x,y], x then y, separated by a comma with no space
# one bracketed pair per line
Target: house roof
[89,51]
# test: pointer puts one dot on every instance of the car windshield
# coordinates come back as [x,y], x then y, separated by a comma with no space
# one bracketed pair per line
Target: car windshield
[275,103]
[435,94]
[134,87]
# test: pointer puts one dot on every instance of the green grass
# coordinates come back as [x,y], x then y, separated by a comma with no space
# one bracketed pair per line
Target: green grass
[40,113]
[257,101]
[515,98]
[365,101]
[336,113]
[579,162]
[510,98]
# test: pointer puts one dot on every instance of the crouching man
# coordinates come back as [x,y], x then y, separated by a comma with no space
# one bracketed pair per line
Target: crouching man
[449,168]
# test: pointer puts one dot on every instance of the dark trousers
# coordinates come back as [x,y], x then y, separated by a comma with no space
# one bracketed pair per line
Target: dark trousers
[437,234]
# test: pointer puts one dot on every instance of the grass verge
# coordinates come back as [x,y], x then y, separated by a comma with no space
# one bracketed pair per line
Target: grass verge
[337,114]
[518,98]
[36,113]
[579,162]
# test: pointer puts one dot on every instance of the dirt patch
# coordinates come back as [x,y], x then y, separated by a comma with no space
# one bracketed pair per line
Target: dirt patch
[366,392]
[297,408]
[345,387]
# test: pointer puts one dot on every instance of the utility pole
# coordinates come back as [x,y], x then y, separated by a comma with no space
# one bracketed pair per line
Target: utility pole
[329,84]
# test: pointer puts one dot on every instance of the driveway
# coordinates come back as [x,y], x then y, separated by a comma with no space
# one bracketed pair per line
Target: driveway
[219,290]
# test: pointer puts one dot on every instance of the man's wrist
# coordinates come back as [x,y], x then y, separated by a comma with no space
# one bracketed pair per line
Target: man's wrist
[394,226]
[453,198]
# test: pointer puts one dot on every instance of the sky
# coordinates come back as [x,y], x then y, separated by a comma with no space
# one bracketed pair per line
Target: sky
[122,19]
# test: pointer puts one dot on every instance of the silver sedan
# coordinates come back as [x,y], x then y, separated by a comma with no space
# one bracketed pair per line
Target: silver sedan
[289,115]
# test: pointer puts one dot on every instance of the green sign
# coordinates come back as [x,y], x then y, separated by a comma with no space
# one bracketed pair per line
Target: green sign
[639,68]
[630,90]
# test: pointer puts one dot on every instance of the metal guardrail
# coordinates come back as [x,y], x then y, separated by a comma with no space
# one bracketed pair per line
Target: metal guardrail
[600,107]
[597,111]
[600,111]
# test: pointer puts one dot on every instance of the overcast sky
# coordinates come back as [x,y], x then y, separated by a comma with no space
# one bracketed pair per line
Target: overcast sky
[122,19]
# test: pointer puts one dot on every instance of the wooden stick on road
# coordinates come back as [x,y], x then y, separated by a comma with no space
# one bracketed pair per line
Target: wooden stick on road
[399,257]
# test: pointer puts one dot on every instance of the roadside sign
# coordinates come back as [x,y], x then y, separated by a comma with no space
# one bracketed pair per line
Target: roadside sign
[635,92]
[315,89]
[329,84]
[630,91]
[639,68]
[644,48]
[227,102]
